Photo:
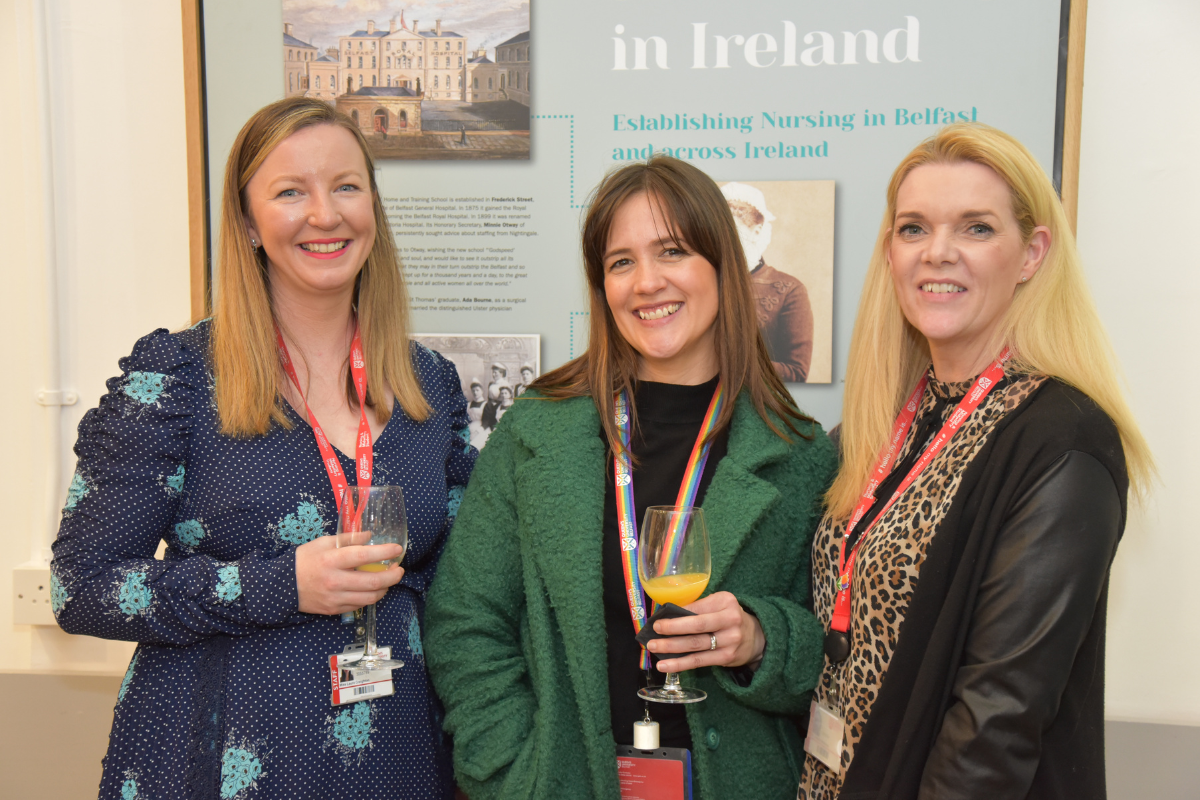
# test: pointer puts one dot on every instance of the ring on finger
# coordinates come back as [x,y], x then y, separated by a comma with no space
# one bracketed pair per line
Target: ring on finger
[712,641]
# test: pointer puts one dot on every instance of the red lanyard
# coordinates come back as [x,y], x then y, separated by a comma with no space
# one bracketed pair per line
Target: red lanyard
[979,390]
[364,457]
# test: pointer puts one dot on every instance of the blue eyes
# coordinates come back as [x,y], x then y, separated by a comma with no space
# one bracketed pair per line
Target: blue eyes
[975,229]
[344,188]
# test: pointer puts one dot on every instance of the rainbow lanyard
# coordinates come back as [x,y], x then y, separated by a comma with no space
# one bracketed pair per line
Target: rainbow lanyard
[627,525]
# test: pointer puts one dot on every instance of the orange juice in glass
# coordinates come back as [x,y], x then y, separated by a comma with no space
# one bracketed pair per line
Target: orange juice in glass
[678,589]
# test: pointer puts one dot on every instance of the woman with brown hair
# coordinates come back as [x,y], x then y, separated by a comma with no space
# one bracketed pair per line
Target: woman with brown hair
[531,641]
[231,441]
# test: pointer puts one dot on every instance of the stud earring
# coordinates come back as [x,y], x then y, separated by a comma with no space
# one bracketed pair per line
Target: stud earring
[1025,278]
[254,244]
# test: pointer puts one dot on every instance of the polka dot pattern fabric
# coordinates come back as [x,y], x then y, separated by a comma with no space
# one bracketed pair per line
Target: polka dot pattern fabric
[228,693]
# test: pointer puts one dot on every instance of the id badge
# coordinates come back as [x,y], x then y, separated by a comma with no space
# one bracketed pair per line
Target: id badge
[351,685]
[661,774]
[826,731]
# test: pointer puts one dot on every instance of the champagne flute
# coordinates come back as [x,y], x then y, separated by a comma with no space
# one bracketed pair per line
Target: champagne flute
[373,515]
[674,565]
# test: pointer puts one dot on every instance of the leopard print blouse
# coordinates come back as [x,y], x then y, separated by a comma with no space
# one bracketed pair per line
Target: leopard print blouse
[888,567]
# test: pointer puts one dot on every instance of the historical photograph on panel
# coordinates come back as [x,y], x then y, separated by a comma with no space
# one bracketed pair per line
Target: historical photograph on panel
[426,80]
[786,229]
[494,369]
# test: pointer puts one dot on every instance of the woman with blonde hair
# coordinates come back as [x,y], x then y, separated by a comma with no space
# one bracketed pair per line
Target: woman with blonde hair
[232,441]
[532,619]
[962,563]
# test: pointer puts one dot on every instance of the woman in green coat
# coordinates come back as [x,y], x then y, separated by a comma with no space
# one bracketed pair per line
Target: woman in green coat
[529,628]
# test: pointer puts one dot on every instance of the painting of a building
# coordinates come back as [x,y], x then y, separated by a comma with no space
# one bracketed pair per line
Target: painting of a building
[297,55]
[322,76]
[431,61]
[512,57]
[382,111]
[482,79]
[415,92]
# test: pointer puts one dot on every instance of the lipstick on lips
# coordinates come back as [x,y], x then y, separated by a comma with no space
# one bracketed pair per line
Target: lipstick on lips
[324,248]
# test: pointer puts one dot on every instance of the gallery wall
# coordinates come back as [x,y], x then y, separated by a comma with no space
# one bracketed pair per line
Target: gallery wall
[1138,209]
[93,163]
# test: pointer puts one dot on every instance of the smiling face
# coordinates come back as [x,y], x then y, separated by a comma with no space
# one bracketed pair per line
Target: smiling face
[310,207]
[663,296]
[957,257]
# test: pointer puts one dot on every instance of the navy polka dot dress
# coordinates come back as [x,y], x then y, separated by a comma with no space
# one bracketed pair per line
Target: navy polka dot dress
[228,694]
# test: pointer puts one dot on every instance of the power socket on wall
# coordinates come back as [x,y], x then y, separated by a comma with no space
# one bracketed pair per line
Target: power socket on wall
[31,596]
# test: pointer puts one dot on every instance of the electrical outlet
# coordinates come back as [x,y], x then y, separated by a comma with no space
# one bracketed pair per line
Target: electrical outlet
[31,596]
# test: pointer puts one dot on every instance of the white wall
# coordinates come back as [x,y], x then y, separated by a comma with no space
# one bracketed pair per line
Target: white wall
[1139,220]
[95,197]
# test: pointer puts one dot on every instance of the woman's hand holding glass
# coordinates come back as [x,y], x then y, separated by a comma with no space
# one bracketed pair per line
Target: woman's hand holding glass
[329,581]
[740,638]
[674,566]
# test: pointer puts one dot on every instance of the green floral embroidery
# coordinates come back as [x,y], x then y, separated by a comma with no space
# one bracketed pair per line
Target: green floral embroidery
[303,526]
[230,586]
[454,499]
[175,482]
[239,769]
[134,595]
[58,594]
[76,492]
[190,532]
[145,387]
[414,637]
[125,683]
[352,726]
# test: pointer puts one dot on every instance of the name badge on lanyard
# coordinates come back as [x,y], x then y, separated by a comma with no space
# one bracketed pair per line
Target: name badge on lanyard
[643,774]
[825,725]
[347,687]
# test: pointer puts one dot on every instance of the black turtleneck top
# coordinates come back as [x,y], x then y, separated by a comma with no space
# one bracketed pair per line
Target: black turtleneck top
[669,419]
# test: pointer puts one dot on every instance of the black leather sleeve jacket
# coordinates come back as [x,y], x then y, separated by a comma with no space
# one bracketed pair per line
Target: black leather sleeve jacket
[1036,604]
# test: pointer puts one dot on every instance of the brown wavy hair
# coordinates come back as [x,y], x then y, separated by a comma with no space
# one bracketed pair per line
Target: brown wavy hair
[245,360]
[699,218]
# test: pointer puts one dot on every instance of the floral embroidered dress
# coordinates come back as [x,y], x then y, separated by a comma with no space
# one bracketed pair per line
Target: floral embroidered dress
[228,694]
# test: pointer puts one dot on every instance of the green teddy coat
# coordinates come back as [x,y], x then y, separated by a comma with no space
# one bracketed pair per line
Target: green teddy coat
[515,636]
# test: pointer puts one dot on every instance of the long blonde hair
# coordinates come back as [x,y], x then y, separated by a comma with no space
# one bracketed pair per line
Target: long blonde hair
[245,359]
[1052,324]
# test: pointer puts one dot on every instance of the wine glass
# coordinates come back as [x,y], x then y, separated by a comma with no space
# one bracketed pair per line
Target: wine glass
[373,515]
[674,565]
